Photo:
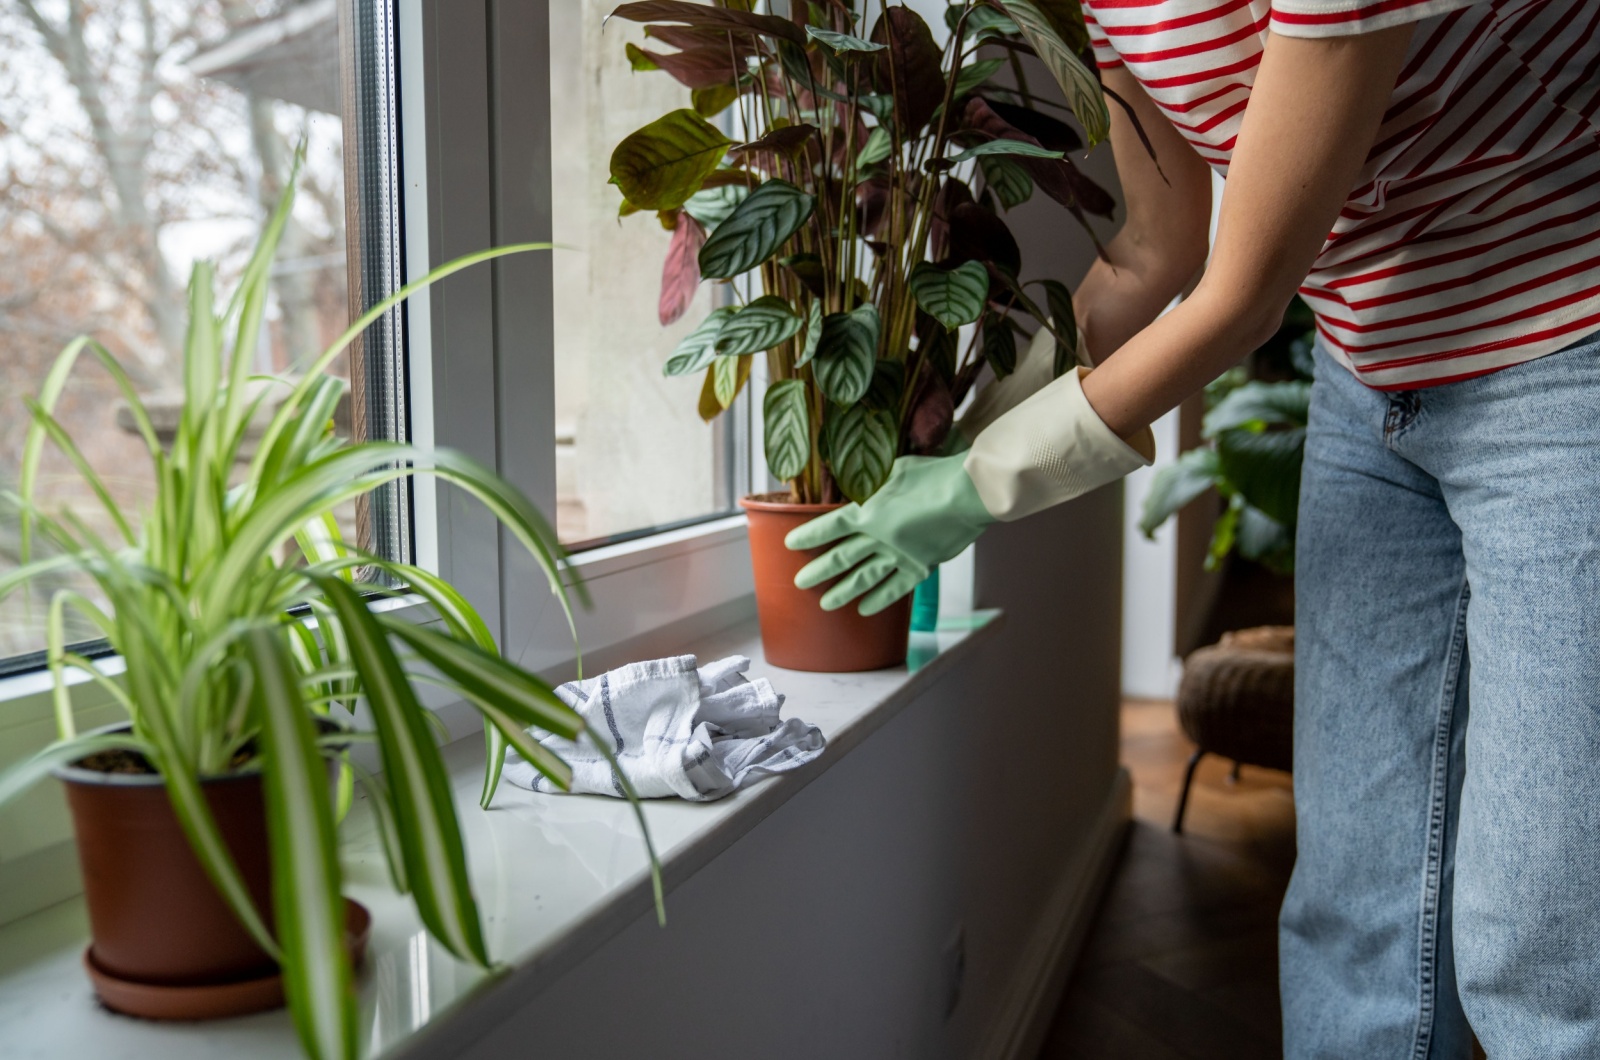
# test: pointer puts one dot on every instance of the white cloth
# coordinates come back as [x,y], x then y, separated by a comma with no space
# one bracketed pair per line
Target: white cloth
[677,729]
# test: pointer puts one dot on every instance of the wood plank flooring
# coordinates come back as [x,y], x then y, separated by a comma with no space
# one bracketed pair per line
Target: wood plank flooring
[1182,961]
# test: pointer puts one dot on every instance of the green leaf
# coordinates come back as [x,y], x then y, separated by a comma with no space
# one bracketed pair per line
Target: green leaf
[1174,486]
[846,353]
[861,445]
[974,74]
[661,165]
[842,43]
[759,326]
[713,205]
[879,104]
[999,346]
[699,348]
[1062,318]
[982,22]
[755,230]
[1262,538]
[786,427]
[1258,404]
[878,147]
[813,334]
[887,388]
[1007,179]
[305,855]
[709,102]
[1005,147]
[1077,81]
[728,376]
[639,59]
[953,297]
[430,835]
[1265,468]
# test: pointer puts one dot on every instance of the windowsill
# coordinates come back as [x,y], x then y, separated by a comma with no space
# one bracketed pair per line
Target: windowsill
[556,877]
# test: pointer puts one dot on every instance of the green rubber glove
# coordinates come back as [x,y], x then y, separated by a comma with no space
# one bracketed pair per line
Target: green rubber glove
[927,513]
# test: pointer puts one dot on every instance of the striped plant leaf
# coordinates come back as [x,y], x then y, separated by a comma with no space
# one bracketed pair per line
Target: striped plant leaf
[306,901]
[1077,81]
[861,444]
[764,323]
[430,835]
[1007,179]
[953,297]
[813,334]
[846,352]
[756,229]
[1020,148]
[699,348]
[786,429]
[842,43]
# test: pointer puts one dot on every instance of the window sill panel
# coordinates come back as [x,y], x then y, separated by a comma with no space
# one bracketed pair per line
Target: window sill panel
[556,878]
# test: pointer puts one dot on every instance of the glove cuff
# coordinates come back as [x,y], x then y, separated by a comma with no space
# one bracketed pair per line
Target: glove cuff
[1049,449]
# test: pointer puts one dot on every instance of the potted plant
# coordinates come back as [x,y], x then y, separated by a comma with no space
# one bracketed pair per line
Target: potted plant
[857,229]
[206,824]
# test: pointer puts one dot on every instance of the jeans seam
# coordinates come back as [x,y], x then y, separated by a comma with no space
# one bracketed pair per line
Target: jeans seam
[1428,942]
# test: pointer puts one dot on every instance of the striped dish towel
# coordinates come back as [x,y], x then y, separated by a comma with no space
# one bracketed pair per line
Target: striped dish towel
[678,729]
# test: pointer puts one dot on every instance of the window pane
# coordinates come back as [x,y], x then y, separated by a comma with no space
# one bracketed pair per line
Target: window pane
[631,449]
[137,136]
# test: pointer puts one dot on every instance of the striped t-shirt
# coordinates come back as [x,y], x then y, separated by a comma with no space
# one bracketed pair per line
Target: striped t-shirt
[1471,240]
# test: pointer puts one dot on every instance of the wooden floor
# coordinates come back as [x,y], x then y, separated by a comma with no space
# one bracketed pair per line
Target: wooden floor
[1182,960]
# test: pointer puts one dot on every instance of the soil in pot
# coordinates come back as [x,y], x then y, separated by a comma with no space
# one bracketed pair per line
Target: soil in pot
[796,633]
[165,943]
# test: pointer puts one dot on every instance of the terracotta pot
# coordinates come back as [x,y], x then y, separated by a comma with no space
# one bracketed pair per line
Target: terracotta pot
[154,914]
[796,633]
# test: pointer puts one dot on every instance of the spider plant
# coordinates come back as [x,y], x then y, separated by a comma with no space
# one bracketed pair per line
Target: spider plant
[238,609]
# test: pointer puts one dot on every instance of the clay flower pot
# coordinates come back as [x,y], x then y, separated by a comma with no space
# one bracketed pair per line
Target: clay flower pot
[796,633]
[165,945]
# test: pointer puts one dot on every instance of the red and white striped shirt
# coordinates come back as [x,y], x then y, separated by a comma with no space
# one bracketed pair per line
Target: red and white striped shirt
[1471,241]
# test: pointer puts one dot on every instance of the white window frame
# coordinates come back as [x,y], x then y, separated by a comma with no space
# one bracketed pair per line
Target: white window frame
[476,173]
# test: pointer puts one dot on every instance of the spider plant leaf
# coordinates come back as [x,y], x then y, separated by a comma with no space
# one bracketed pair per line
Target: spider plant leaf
[786,426]
[20,776]
[953,297]
[305,856]
[846,351]
[430,835]
[766,322]
[63,441]
[289,410]
[638,813]
[382,805]
[756,229]
[248,307]
[1077,81]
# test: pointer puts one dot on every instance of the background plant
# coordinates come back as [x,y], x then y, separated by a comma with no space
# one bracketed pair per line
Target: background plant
[208,605]
[865,209]
[1255,432]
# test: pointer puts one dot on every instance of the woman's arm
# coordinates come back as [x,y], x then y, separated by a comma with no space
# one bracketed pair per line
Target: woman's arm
[1162,242]
[1314,110]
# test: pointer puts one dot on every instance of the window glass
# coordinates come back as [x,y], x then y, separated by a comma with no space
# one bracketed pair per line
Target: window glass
[137,136]
[631,449]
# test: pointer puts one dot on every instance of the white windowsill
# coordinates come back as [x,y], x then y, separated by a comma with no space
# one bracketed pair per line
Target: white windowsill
[556,876]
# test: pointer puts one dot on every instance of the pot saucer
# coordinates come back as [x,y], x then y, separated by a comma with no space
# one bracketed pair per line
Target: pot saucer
[209,1001]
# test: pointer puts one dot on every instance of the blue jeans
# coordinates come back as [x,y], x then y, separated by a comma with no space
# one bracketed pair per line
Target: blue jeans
[1447,719]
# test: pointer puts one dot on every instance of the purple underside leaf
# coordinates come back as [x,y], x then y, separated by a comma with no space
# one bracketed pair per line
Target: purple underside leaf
[932,414]
[680,275]
[698,67]
[786,140]
[910,69]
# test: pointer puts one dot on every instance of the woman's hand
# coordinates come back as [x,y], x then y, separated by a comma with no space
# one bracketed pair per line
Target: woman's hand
[1314,109]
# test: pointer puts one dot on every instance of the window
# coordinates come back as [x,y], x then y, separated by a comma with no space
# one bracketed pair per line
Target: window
[137,136]
[631,450]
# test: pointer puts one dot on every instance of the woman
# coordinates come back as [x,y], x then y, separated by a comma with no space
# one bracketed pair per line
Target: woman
[1431,171]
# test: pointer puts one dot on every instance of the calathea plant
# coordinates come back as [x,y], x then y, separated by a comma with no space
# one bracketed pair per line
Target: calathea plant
[223,672]
[864,209]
